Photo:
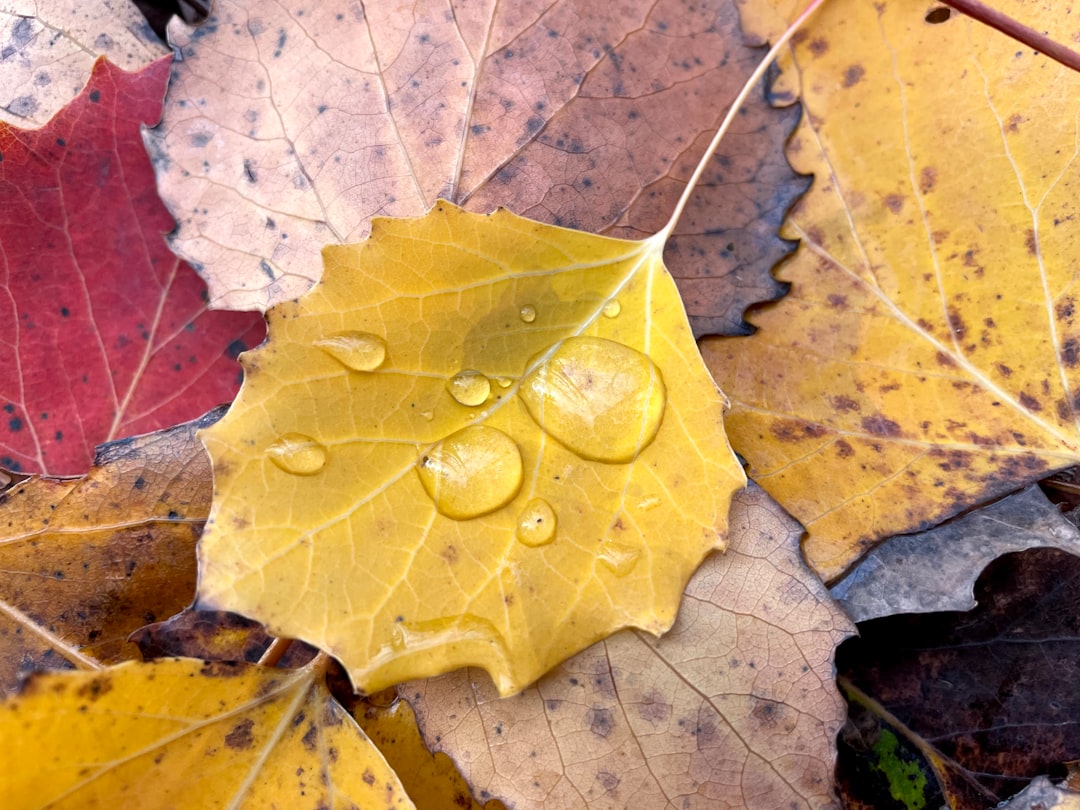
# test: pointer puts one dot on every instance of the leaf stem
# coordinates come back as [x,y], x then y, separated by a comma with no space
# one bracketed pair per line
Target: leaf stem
[663,235]
[1017,30]
[274,652]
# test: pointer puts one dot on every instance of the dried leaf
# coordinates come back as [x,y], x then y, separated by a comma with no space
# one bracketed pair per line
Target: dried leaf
[210,635]
[479,441]
[993,689]
[928,358]
[286,129]
[431,779]
[1041,794]
[108,333]
[183,733]
[86,561]
[935,570]
[48,48]
[735,707]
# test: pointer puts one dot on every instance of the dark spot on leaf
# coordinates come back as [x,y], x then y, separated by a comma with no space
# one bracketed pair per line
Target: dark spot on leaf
[241,738]
[819,46]
[309,737]
[15,424]
[95,688]
[796,431]
[853,75]
[601,722]
[927,179]
[878,425]
[200,139]
[837,301]
[1070,352]
[608,780]
[140,482]
[654,708]
[534,125]
[844,404]
[956,323]
[894,202]
[843,449]
[234,348]
[1030,402]
[1031,244]
[368,777]
[936,16]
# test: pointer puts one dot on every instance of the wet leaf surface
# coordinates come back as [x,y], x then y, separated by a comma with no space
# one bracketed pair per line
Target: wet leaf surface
[734,707]
[48,48]
[479,441]
[88,560]
[992,689]
[183,733]
[935,571]
[928,357]
[106,333]
[289,128]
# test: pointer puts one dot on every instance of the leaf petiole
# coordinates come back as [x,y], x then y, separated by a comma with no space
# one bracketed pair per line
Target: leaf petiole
[662,236]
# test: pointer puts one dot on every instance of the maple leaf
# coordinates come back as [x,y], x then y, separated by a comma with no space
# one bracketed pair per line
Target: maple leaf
[88,560]
[928,356]
[478,441]
[48,48]
[737,700]
[195,731]
[285,130]
[108,333]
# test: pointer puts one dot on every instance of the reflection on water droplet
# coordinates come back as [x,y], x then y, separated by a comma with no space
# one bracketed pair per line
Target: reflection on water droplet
[297,454]
[472,472]
[649,503]
[360,351]
[601,399]
[528,313]
[469,388]
[612,309]
[504,382]
[428,415]
[619,557]
[536,523]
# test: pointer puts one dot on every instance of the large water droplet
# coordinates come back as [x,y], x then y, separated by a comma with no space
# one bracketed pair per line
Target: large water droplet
[360,351]
[472,472]
[619,557]
[602,399]
[612,309]
[536,523]
[528,313]
[297,454]
[469,388]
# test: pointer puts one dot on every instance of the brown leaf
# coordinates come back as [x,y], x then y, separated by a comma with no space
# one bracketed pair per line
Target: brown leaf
[213,635]
[734,707]
[86,561]
[49,46]
[993,689]
[285,131]
[935,570]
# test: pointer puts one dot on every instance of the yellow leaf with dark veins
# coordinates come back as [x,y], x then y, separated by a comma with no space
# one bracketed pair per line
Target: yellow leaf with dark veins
[480,440]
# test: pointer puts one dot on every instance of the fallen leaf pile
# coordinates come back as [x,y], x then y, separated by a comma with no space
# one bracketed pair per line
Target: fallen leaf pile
[471,533]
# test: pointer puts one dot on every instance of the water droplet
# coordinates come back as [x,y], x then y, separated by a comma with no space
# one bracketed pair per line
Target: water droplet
[612,309]
[360,351]
[536,524]
[619,557]
[503,382]
[428,415]
[472,472]
[649,503]
[528,313]
[297,454]
[601,399]
[469,388]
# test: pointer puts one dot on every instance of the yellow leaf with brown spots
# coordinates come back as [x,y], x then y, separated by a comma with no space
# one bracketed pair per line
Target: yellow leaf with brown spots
[928,356]
[85,561]
[480,440]
[183,733]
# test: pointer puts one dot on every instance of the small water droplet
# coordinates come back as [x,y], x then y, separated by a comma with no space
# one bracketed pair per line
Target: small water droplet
[469,388]
[471,472]
[503,382]
[601,399]
[612,309]
[536,524]
[619,557]
[649,503]
[528,313]
[297,454]
[428,415]
[360,351]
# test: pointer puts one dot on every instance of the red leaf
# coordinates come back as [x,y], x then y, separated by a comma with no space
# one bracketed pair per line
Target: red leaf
[106,332]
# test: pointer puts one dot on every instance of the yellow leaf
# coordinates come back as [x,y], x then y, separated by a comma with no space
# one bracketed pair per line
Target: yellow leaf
[928,356]
[480,440]
[183,733]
